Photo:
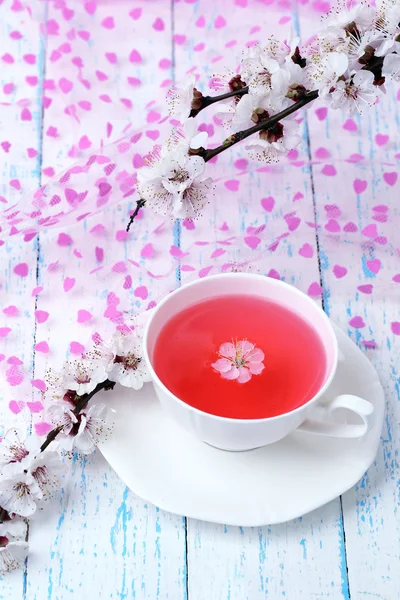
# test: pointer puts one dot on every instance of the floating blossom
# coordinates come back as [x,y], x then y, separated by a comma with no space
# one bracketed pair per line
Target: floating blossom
[240,360]
[93,428]
[129,367]
[182,99]
[356,93]
[274,143]
[173,185]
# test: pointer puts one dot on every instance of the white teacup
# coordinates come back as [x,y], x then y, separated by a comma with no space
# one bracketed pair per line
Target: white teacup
[246,434]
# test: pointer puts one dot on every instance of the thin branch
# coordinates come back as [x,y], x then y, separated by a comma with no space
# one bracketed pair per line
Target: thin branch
[139,204]
[82,402]
[266,124]
[208,100]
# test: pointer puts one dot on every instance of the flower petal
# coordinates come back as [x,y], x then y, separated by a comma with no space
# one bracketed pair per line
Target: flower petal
[245,346]
[232,374]
[244,375]
[222,365]
[227,350]
[256,368]
[255,356]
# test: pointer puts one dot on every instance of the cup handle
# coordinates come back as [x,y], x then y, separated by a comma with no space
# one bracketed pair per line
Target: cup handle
[362,408]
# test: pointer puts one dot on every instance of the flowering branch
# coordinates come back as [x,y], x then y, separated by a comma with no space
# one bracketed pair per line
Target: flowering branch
[80,405]
[266,125]
[209,100]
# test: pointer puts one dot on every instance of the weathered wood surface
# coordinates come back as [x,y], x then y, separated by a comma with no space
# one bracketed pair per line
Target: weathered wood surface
[98,539]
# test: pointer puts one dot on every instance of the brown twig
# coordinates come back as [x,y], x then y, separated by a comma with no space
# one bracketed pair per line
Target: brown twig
[266,124]
[209,100]
[139,204]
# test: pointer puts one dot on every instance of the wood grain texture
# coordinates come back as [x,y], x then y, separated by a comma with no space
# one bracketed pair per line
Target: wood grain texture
[305,558]
[15,165]
[99,540]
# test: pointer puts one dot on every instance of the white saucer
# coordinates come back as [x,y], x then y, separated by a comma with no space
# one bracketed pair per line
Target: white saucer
[163,464]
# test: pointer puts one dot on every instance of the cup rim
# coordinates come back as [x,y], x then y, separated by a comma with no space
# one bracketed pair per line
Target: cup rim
[273,282]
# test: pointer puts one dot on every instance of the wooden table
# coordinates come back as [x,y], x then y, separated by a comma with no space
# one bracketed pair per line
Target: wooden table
[98,539]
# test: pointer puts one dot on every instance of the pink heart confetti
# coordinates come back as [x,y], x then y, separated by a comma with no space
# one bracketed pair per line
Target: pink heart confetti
[141,292]
[268,203]
[374,265]
[366,289]
[68,283]
[252,241]
[315,289]
[359,186]
[357,322]
[42,347]
[39,384]
[339,271]
[306,251]
[395,327]
[83,316]
[41,316]
[390,178]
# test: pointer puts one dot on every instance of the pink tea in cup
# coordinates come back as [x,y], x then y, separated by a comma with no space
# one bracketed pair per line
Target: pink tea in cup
[240,356]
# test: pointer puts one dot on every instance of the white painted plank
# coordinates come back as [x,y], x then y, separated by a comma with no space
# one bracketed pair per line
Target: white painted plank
[99,539]
[21,53]
[304,558]
[371,516]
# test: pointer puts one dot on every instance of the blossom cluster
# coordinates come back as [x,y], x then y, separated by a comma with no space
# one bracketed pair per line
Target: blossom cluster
[345,66]
[30,473]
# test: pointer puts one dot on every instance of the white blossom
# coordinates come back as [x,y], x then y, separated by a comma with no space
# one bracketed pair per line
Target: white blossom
[27,474]
[12,553]
[225,83]
[362,48]
[345,15]
[248,108]
[180,98]
[388,18]
[46,470]
[13,447]
[129,367]
[19,492]
[173,183]
[13,528]
[188,137]
[325,71]
[391,67]
[271,145]
[265,75]
[93,428]
[83,374]
[355,94]
[61,415]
